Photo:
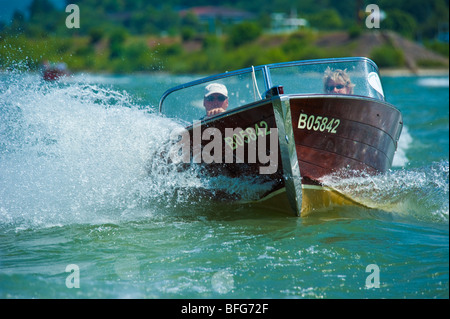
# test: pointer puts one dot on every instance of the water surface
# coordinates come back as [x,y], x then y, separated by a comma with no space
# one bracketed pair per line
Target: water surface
[75,189]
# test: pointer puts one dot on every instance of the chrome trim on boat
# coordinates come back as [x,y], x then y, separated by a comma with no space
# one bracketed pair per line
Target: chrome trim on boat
[291,169]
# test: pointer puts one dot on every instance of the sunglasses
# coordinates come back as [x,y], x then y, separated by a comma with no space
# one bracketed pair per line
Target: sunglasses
[212,98]
[339,87]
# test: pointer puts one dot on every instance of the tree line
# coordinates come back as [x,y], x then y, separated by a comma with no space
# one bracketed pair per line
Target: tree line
[125,36]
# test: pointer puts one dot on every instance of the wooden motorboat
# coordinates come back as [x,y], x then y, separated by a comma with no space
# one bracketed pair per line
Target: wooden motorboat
[285,125]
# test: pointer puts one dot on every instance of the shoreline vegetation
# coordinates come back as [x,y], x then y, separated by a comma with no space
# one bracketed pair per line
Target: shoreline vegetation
[121,42]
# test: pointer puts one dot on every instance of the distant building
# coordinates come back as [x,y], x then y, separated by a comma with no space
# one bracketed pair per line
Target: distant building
[282,23]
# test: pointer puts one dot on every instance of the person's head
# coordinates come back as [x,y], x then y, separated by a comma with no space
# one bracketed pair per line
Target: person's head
[216,97]
[337,82]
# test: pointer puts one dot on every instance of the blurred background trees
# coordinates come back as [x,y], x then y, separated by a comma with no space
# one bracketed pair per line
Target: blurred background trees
[192,35]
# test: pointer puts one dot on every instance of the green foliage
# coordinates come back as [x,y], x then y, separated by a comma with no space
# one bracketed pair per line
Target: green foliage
[298,41]
[187,33]
[96,34]
[272,55]
[116,42]
[387,56]
[326,20]
[439,47]
[191,21]
[426,63]
[115,34]
[212,42]
[41,8]
[34,51]
[118,36]
[243,33]
[401,22]
[354,31]
[139,57]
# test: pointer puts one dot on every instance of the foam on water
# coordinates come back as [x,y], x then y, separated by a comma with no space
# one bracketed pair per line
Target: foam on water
[421,193]
[433,82]
[82,153]
[68,152]
[404,142]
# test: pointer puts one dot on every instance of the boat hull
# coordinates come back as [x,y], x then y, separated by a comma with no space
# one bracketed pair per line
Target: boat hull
[332,135]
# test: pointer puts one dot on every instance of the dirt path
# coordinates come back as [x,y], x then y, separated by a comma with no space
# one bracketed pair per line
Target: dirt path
[366,42]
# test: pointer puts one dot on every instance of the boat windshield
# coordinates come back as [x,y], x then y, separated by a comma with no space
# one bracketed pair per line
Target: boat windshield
[246,86]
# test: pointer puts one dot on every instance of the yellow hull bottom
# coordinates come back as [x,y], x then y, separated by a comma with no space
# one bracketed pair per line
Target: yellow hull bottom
[315,199]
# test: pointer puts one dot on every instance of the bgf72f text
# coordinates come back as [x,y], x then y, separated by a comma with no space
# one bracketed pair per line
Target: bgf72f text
[246,308]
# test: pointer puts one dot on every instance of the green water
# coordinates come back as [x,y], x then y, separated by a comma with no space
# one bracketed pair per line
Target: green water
[76,195]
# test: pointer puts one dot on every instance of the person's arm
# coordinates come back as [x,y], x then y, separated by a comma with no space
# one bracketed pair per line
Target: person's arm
[215,111]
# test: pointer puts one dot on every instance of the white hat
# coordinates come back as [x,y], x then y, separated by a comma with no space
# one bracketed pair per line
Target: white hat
[216,88]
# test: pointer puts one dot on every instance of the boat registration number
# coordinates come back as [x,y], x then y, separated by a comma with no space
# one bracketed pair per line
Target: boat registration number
[318,123]
[247,135]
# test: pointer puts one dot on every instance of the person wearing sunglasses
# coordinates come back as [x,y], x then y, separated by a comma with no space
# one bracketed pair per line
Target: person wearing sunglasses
[337,82]
[215,100]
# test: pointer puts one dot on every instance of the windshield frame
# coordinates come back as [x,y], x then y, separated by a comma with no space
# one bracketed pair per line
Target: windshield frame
[266,76]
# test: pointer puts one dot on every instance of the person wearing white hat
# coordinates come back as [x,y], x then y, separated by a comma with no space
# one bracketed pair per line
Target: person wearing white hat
[215,100]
